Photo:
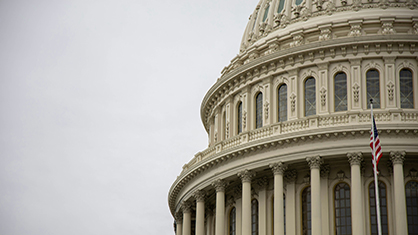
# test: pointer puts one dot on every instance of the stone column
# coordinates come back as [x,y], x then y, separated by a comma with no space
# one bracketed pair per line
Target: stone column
[187,218]
[357,215]
[179,224]
[200,212]
[246,176]
[220,186]
[262,206]
[401,225]
[290,177]
[314,164]
[278,170]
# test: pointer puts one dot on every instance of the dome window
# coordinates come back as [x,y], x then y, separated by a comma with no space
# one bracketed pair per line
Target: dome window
[259,110]
[310,97]
[298,2]
[340,90]
[281,6]
[373,88]
[406,86]
[266,13]
[282,96]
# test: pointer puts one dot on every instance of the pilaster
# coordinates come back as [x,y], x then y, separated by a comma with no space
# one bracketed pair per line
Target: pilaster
[315,163]
[357,215]
[246,176]
[278,170]
[220,186]
[401,226]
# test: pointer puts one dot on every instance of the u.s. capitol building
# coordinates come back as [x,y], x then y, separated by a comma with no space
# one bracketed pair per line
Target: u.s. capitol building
[289,121]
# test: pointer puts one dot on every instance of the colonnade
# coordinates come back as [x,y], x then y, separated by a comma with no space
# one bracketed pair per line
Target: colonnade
[183,220]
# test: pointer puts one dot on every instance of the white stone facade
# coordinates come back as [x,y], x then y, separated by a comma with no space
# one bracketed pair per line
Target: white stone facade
[253,156]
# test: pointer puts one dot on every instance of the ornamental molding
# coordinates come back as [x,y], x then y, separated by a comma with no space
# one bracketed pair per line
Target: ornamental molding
[324,171]
[391,88]
[323,95]
[290,176]
[356,92]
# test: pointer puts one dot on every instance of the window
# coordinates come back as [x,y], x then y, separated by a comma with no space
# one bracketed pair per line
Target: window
[411,193]
[282,96]
[224,126]
[298,2]
[310,97]
[259,110]
[373,89]
[342,207]
[306,211]
[232,221]
[383,208]
[239,117]
[266,13]
[281,6]
[407,93]
[340,90]
[254,217]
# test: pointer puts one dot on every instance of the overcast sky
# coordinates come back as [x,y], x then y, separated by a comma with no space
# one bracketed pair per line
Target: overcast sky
[100,108]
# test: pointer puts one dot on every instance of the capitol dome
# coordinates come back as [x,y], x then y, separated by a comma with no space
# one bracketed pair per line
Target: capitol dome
[289,122]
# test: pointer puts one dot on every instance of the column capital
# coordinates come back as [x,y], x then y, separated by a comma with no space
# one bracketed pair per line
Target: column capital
[314,162]
[179,217]
[278,168]
[186,207]
[397,157]
[219,185]
[246,175]
[290,175]
[355,158]
[199,195]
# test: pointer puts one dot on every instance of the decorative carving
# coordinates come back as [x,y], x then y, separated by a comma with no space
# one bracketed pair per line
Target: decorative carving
[230,201]
[278,168]
[216,136]
[199,195]
[307,179]
[397,157]
[366,49]
[293,102]
[297,40]
[415,27]
[244,119]
[179,218]
[280,20]
[227,130]
[324,172]
[355,30]
[413,173]
[355,158]
[266,109]
[343,2]
[219,185]
[325,34]
[323,93]
[341,175]
[297,10]
[290,175]
[186,207]
[263,183]
[390,90]
[387,28]
[246,175]
[273,47]
[314,162]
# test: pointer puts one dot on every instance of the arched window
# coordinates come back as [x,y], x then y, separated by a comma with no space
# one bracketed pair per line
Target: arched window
[239,121]
[342,207]
[383,208]
[373,88]
[310,97]
[281,6]
[266,13]
[298,2]
[306,211]
[232,221]
[340,90]
[407,91]
[254,217]
[282,96]
[411,193]
[259,110]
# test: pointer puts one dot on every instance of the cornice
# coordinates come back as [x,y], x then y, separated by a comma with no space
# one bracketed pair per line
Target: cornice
[275,142]
[304,56]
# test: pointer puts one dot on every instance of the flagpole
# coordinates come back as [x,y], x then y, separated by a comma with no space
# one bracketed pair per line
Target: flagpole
[376,185]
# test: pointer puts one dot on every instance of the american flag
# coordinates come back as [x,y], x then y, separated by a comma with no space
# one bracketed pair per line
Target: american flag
[374,140]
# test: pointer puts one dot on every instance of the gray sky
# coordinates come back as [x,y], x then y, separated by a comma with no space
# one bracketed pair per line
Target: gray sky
[100,108]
